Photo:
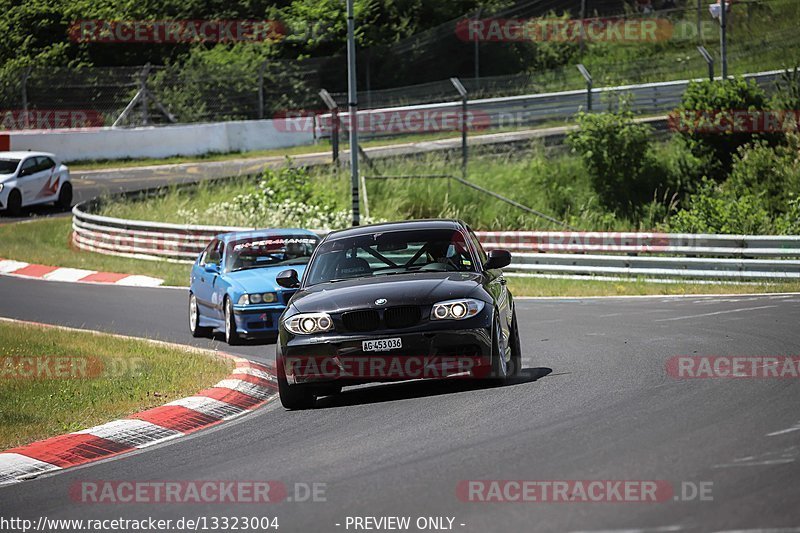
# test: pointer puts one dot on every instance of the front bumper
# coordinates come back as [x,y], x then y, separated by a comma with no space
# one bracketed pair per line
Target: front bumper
[254,321]
[429,353]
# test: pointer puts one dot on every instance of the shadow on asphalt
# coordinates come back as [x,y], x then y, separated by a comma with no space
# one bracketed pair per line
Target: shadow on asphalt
[420,389]
[33,211]
[264,341]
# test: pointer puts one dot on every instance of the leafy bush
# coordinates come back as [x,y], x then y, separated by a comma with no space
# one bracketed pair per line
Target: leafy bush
[283,198]
[712,209]
[703,121]
[772,174]
[615,151]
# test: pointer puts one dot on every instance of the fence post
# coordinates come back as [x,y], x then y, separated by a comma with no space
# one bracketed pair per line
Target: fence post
[583,17]
[25,75]
[700,21]
[261,89]
[143,88]
[589,85]
[709,60]
[464,110]
[334,109]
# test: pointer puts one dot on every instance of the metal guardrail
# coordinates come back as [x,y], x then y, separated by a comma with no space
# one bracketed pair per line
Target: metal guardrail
[654,255]
[521,111]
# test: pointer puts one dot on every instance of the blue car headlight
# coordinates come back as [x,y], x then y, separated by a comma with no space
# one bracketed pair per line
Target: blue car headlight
[456,309]
[257,298]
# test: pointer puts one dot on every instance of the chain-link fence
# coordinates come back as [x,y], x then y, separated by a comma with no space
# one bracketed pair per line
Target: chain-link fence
[184,93]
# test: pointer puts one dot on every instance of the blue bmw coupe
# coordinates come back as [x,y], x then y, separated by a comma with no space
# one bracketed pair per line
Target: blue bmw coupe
[233,288]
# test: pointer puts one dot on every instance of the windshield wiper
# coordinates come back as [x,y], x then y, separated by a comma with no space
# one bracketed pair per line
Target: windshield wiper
[251,267]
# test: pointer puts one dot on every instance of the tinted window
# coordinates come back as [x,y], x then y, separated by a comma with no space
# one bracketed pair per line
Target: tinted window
[387,253]
[29,166]
[8,166]
[478,246]
[44,163]
[258,252]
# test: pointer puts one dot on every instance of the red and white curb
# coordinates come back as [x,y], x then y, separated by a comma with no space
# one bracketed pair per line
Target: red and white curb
[27,270]
[249,386]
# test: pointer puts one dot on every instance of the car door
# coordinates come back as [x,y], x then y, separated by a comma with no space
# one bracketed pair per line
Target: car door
[205,279]
[47,179]
[29,180]
[496,284]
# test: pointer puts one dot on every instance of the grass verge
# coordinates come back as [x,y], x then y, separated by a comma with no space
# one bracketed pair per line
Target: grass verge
[578,288]
[47,242]
[101,378]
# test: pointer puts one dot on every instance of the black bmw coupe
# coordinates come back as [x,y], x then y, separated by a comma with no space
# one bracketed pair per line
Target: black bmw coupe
[405,300]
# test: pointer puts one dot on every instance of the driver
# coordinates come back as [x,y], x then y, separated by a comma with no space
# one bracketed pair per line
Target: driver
[295,250]
[438,252]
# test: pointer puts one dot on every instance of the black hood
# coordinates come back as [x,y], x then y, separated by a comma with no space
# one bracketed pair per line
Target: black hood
[418,288]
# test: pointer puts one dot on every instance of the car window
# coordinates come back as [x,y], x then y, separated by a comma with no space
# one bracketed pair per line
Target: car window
[478,246]
[28,166]
[213,253]
[8,166]
[388,253]
[44,163]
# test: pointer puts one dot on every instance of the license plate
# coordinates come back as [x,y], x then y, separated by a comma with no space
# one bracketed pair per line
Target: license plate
[381,345]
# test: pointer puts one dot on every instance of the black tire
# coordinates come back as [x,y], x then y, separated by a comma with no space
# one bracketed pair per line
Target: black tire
[65,196]
[516,347]
[14,203]
[500,368]
[194,319]
[232,336]
[293,397]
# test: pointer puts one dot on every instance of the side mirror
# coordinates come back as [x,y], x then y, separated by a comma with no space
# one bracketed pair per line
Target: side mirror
[498,259]
[211,268]
[288,279]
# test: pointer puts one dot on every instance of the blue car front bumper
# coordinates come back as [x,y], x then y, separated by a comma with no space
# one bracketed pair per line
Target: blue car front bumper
[257,320]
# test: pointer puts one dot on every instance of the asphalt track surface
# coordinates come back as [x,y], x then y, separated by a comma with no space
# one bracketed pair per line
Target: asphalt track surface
[595,403]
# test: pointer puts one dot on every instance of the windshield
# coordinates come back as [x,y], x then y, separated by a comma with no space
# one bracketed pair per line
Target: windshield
[388,253]
[8,166]
[259,252]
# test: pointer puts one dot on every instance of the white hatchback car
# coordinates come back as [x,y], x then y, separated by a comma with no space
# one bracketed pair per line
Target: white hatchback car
[31,178]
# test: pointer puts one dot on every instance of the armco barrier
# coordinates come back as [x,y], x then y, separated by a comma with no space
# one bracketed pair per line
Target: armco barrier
[654,255]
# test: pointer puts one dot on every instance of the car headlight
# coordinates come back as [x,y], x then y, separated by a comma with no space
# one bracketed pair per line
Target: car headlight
[267,298]
[1,187]
[456,309]
[308,323]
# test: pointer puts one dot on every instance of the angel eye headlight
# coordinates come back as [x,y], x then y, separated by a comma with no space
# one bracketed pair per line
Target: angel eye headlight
[309,323]
[456,309]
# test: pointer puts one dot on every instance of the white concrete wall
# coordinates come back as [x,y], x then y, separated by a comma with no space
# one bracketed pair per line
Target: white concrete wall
[164,141]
